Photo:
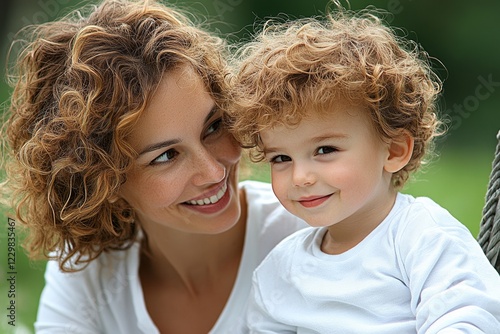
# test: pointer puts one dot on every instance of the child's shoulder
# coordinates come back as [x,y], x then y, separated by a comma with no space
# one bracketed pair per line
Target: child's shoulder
[422,217]
[424,209]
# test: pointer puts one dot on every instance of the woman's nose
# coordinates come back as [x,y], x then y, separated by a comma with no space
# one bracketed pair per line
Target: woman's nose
[208,169]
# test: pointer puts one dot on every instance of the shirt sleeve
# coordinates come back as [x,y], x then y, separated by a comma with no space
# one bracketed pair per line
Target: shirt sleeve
[454,289]
[65,306]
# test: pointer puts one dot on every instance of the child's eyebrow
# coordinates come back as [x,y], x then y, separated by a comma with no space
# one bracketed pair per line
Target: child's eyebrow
[269,150]
[327,136]
[317,139]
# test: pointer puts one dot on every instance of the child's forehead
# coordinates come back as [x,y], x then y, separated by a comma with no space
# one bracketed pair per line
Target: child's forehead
[319,114]
[314,110]
[289,116]
[341,120]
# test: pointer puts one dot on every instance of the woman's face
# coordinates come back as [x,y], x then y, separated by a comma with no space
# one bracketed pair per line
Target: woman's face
[185,175]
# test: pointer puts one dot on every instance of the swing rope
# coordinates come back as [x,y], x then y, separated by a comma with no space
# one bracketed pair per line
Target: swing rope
[489,230]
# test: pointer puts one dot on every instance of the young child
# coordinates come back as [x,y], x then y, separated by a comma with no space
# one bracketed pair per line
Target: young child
[344,111]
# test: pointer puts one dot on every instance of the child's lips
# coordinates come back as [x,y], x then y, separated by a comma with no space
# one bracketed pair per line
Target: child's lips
[313,201]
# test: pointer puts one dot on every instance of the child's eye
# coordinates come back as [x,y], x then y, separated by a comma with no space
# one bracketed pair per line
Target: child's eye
[165,157]
[215,127]
[326,150]
[279,159]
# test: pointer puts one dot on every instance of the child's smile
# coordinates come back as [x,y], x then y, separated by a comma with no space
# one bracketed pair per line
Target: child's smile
[313,201]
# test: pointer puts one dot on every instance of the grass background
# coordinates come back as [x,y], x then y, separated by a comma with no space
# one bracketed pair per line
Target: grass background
[457,180]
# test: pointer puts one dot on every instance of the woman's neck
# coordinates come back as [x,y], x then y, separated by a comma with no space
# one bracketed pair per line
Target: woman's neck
[192,260]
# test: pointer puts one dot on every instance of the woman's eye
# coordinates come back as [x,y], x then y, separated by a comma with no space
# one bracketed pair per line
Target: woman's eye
[167,156]
[215,127]
[279,159]
[326,150]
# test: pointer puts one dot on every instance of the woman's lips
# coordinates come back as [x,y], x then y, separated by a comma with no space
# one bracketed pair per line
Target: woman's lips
[210,199]
[212,202]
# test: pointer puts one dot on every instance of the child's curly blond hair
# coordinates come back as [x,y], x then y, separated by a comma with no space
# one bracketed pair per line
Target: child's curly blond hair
[291,67]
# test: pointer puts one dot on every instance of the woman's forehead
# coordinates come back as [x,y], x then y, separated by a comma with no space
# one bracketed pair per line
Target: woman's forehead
[179,105]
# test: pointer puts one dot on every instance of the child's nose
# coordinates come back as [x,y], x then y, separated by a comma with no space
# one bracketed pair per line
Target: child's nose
[303,175]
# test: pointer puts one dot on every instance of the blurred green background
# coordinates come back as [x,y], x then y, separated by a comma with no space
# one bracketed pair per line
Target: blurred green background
[462,35]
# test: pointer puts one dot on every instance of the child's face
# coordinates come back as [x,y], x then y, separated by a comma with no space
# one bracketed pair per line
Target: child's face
[330,169]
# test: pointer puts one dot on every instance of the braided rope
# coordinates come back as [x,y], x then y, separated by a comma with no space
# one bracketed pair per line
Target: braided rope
[489,230]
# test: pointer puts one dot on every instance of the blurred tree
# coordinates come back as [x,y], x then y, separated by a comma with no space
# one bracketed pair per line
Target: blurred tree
[4,28]
[4,15]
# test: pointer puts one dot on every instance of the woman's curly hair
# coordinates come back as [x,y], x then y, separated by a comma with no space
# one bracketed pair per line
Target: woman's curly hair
[79,85]
[290,67]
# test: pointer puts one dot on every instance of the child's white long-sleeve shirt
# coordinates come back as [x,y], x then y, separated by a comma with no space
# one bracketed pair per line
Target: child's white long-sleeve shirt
[419,271]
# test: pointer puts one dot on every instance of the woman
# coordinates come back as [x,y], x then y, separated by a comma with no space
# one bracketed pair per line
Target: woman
[122,170]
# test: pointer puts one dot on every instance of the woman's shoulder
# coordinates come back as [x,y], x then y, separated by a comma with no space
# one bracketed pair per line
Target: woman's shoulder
[96,297]
[106,268]
[257,190]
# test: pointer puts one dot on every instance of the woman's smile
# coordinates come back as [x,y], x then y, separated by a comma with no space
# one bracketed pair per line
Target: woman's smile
[212,204]
[211,199]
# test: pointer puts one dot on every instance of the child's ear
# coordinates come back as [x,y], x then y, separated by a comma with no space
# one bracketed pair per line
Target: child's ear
[400,152]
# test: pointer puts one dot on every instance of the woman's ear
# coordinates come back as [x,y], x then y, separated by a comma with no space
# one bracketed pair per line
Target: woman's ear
[400,152]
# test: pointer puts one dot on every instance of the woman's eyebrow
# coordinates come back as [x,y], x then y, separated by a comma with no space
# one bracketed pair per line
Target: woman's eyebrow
[156,146]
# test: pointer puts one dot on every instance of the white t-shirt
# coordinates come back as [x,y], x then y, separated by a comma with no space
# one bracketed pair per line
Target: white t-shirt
[419,271]
[106,297]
